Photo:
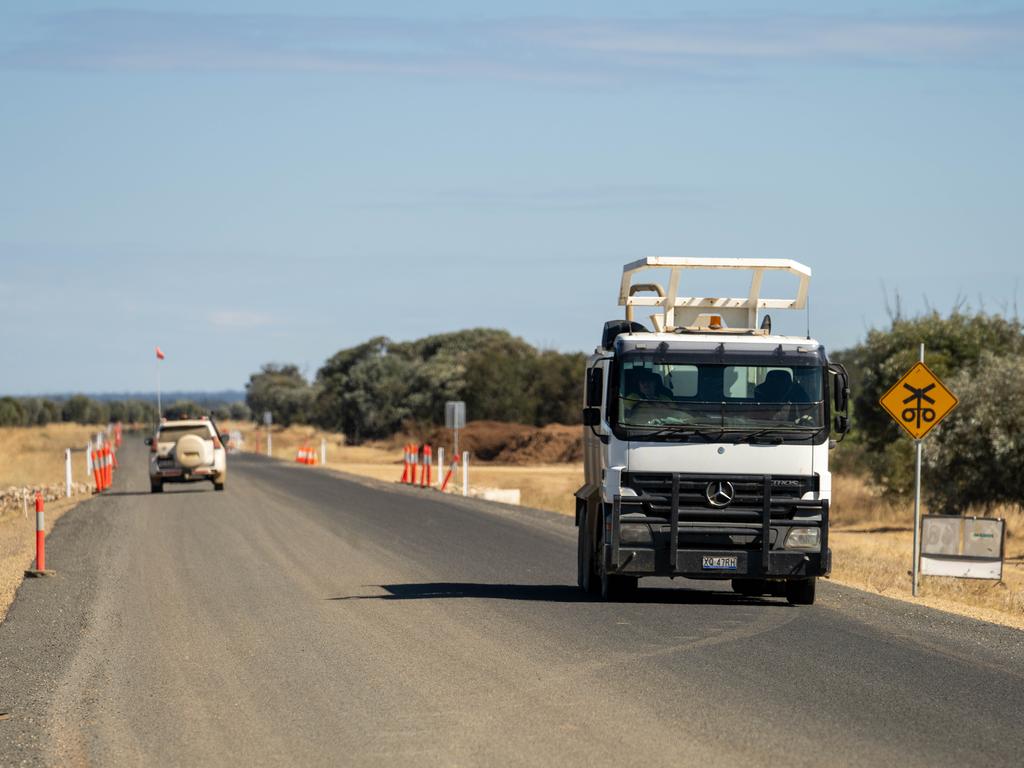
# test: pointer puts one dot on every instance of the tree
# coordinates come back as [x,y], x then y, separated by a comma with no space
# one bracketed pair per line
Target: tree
[954,343]
[978,450]
[11,413]
[282,390]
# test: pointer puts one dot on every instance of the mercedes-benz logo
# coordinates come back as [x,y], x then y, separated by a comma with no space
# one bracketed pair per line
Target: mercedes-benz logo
[719,493]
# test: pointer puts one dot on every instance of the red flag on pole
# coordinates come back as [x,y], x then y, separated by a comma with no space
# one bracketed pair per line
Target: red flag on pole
[159,354]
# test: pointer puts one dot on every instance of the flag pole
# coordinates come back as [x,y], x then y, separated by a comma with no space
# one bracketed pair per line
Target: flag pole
[159,409]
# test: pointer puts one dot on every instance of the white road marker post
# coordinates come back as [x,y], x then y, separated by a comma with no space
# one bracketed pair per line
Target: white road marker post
[440,465]
[465,473]
[67,472]
[88,461]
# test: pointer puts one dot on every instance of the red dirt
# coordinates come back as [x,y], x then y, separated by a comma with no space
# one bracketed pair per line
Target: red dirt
[509,443]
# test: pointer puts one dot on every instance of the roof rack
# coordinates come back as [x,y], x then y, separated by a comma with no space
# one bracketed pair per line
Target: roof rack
[684,312]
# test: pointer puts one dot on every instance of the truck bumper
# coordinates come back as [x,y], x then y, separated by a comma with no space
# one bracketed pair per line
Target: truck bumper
[656,536]
[690,563]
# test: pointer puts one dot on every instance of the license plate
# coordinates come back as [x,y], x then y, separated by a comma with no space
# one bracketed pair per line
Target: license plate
[718,562]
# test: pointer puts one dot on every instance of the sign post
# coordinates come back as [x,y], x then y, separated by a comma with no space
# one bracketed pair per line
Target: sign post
[927,403]
[455,419]
[268,419]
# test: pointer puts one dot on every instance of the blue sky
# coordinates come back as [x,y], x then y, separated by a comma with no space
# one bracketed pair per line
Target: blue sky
[269,181]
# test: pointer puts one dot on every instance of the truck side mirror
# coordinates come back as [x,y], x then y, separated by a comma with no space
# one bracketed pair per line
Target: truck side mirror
[840,388]
[842,424]
[591,417]
[595,387]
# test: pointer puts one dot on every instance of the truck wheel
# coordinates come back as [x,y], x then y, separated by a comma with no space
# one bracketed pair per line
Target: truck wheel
[800,592]
[585,576]
[616,587]
[749,587]
[218,486]
[156,487]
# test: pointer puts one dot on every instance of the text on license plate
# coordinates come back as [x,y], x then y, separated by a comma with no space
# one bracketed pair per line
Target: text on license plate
[718,562]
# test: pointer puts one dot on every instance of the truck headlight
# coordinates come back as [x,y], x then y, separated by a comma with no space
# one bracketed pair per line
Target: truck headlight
[802,538]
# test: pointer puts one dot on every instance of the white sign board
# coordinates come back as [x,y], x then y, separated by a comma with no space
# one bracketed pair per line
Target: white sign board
[967,547]
[455,414]
[268,418]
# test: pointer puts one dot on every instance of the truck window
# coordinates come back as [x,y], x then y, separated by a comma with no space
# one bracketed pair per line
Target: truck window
[739,396]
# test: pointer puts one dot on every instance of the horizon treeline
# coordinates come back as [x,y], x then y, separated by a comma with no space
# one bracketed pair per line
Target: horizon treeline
[82,409]
[374,389]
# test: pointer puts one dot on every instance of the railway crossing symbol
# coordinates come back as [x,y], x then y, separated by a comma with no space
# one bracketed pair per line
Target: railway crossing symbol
[918,401]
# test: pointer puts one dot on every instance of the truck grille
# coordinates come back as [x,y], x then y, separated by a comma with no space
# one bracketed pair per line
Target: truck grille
[747,503]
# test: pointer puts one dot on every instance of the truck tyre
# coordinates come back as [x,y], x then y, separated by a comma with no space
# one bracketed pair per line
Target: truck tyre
[800,591]
[749,587]
[156,487]
[617,587]
[218,486]
[585,575]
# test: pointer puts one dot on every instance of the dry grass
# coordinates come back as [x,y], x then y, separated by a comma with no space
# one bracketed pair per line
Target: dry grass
[35,455]
[548,486]
[872,543]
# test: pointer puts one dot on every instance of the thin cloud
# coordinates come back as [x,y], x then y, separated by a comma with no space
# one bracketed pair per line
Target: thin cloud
[533,48]
[239,318]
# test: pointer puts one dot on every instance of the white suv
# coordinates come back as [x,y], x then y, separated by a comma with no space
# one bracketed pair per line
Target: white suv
[184,451]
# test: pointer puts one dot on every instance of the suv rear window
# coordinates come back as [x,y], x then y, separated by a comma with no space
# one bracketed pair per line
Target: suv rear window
[173,434]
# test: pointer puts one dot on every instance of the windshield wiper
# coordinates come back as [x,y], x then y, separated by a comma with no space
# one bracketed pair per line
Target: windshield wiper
[753,435]
[685,430]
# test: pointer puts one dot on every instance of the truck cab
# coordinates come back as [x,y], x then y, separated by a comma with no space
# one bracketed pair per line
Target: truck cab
[707,438]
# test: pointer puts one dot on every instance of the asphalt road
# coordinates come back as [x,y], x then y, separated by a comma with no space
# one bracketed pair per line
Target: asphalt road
[301,618]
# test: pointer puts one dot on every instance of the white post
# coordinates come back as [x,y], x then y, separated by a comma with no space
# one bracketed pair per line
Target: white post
[323,451]
[88,461]
[67,471]
[440,465]
[465,473]
[917,507]
[269,444]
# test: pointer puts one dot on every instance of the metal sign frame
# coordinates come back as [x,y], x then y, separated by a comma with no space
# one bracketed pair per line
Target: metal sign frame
[960,564]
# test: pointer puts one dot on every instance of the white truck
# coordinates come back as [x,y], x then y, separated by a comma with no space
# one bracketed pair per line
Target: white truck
[706,439]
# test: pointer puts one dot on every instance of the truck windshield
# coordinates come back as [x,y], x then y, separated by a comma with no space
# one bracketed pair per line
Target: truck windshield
[740,396]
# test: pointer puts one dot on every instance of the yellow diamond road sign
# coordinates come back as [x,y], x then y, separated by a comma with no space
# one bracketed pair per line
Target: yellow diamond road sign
[918,401]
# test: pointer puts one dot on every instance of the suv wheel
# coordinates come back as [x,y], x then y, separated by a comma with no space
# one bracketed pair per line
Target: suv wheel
[156,487]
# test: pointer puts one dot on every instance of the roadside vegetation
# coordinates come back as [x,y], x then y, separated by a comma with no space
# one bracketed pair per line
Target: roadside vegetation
[376,389]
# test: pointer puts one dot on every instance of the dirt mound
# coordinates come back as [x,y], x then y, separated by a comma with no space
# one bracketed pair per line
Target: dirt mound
[511,443]
[553,444]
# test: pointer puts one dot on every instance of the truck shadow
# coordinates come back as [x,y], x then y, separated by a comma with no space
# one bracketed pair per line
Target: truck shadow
[554,593]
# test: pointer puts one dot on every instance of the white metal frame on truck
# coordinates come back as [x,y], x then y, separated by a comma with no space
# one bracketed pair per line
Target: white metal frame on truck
[684,311]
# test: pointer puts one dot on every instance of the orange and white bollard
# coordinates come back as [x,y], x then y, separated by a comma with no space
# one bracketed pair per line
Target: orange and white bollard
[97,470]
[108,467]
[428,464]
[40,569]
[451,471]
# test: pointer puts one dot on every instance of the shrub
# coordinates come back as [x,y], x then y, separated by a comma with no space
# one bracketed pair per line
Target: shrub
[976,455]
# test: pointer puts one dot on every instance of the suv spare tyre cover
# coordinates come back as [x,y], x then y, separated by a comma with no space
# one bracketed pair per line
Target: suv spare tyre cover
[190,451]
